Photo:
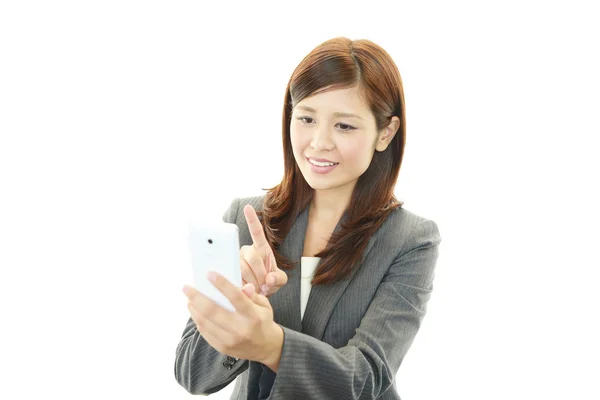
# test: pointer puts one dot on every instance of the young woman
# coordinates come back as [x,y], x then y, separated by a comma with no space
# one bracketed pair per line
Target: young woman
[336,273]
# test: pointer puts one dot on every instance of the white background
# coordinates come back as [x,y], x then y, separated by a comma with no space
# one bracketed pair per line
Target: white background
[120,120]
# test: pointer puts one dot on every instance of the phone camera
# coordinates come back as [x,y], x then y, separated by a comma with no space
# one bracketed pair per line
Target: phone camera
[210,241]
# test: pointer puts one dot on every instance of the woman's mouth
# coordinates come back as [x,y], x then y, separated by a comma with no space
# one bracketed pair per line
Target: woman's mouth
[319,167]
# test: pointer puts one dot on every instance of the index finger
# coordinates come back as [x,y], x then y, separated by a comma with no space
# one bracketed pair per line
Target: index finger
[255,227]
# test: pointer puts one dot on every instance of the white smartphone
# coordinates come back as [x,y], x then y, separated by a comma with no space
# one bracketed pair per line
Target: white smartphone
[214,246]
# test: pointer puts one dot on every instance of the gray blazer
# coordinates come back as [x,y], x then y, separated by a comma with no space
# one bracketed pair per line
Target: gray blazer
[355,332]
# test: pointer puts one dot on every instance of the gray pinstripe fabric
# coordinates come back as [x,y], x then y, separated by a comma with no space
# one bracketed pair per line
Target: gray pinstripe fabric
[354,334]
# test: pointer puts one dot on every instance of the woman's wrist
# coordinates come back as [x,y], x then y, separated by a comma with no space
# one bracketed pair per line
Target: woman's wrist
[274,348]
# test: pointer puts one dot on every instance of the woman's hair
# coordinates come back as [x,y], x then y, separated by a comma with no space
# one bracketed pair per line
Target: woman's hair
[337,64]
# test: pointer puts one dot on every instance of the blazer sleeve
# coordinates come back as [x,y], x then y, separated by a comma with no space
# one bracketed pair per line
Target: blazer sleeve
[365,368]
[199,368]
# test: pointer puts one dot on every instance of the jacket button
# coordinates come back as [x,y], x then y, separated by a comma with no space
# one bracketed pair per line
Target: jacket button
[227,365]
[231,360]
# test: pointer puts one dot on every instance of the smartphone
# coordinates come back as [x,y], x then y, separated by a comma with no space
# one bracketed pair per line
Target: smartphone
[214,246]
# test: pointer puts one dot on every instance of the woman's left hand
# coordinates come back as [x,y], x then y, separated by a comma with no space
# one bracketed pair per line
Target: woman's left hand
[249,333]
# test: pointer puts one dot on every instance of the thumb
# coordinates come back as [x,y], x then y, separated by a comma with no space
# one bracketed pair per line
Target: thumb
[249,290]
[276,278]
[256,298]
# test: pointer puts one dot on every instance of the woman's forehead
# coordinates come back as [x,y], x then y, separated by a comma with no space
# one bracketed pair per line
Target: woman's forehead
[340,100]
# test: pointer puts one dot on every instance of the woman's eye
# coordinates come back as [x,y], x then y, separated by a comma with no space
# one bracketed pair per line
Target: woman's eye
[346,128]
[304,119]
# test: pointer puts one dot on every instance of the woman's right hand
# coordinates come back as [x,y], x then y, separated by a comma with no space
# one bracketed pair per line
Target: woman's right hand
[257,261]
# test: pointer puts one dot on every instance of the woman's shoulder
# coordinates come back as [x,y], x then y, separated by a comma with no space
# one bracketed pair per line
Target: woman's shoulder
[255,201]
[235,212]
[405,218]
[403,226]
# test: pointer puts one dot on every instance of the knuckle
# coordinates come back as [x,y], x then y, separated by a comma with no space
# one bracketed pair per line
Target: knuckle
[261,318]
[209,310]
[245,335]
[250,256]
[256,229]
[244,249]
[255,260]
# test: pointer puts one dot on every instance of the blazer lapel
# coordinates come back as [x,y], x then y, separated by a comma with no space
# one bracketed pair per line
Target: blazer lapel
[323,298]
[286,302]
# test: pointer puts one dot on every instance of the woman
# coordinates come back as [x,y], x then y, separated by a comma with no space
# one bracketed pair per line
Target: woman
[332,228]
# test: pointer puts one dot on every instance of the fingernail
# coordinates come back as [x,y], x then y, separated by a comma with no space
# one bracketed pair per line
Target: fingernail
[248,290]
[264,288]
[212,276]
[186,289]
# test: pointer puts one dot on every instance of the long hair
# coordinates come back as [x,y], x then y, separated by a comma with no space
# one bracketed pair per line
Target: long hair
[334,64]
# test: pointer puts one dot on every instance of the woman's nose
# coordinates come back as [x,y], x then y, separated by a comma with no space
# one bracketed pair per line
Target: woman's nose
[322,140]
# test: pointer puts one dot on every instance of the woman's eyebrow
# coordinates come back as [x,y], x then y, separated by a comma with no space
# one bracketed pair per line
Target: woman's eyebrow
[337,114]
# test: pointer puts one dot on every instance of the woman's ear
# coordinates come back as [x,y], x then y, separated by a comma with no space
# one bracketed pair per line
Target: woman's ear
[387,134]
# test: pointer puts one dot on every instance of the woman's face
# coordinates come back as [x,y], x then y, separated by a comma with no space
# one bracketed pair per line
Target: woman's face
[335,126]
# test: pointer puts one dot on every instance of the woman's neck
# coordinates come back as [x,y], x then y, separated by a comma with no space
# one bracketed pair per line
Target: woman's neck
[327,207]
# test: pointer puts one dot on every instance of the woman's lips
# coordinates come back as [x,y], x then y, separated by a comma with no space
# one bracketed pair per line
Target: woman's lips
[320,159]
[320,170]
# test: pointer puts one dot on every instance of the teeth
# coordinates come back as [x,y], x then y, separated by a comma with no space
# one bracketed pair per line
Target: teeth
[321,164]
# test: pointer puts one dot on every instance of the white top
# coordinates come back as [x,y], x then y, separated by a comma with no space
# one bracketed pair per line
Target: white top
[307,269]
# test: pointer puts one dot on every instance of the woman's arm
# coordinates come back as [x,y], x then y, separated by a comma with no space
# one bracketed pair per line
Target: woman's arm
[365,368]
[199,368]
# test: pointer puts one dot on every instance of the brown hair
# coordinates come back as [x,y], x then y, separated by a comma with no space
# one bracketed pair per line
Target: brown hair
[334,64]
